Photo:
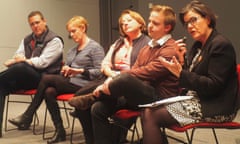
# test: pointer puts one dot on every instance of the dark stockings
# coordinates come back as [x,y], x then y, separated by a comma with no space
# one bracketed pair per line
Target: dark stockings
[152,121]
[53,85]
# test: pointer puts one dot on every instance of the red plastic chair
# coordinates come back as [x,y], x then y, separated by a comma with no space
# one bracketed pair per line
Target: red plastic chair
[125,114]
[205,125]
[30,93]
[64,99]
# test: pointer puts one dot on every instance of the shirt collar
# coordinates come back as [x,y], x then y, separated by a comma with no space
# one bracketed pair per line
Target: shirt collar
[160,41]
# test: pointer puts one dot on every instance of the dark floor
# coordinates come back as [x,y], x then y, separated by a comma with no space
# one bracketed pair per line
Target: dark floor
[202,136]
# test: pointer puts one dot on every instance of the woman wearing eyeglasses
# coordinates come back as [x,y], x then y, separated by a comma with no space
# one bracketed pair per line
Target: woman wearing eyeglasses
[210,77]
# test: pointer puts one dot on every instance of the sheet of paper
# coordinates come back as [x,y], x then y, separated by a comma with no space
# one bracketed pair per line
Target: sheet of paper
[166,101]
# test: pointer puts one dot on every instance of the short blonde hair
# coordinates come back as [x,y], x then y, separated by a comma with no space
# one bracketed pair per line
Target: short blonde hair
[79,21]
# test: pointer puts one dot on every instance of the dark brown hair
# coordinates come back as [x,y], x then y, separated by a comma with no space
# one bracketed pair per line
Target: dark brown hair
[201,9]
[33,13]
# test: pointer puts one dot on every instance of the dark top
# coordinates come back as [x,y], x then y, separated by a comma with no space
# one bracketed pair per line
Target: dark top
[214,77]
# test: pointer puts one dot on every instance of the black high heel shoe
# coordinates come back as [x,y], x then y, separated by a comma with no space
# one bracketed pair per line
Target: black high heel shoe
[73,113]
[23,122]
[59,136]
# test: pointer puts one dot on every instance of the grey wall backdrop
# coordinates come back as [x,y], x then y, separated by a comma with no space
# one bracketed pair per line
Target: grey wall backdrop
[102,16]
[228,16]
[14,25]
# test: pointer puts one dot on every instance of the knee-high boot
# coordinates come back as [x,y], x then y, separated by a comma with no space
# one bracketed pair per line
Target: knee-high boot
[60,133]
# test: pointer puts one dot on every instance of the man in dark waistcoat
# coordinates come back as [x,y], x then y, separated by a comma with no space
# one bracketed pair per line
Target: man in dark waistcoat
[39,52]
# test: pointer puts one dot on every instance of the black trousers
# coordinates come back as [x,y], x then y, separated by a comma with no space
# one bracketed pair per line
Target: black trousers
[133,90]
[16,77]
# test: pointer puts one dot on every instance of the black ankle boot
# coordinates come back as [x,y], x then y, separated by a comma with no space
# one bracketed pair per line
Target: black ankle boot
[74,113]
[23,122]
[59,136]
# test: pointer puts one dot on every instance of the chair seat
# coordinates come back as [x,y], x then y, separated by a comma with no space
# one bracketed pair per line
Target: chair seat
[126,114]
[26,92]
[225,125]
[65,97]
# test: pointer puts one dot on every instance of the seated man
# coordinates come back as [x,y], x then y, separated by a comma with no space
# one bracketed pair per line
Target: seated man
[40,52]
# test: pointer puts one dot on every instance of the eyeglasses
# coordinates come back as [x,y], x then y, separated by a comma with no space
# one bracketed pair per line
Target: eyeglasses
[192,21]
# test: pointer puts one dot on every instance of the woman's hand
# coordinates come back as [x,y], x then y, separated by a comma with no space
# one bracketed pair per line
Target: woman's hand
[181,50]
[74,71]
[64,70]
[173,66]
[71,72]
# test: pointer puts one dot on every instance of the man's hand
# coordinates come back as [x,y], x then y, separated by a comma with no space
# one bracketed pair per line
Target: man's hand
[98,90]
[16,59]
[9,62]
[19,58]
[104,88]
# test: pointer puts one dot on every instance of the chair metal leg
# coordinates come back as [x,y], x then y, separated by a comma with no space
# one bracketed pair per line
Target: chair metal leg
[2,105]
[66,113]
[72,131]
[193,131]
[215,135]
[135,130]
[176,139]
[35,123]
[6,117]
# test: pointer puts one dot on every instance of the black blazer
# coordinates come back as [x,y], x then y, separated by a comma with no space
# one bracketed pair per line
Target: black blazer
[214,77]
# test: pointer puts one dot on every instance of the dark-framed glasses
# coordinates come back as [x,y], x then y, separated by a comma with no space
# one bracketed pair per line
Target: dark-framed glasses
[192,21]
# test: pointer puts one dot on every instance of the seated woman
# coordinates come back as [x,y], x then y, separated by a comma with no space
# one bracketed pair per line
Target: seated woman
[211,78]
[121,56]
[83,65]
